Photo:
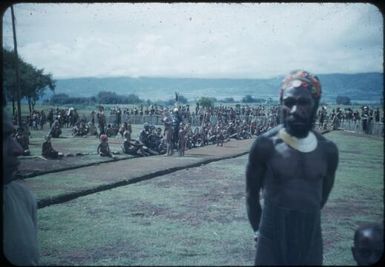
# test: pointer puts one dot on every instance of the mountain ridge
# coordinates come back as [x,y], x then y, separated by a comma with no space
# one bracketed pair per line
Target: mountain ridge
[359,86]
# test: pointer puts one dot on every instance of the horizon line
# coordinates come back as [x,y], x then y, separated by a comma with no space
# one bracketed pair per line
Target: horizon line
[204,78]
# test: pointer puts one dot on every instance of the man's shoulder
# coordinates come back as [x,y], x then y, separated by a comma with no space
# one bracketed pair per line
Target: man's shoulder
[264,143]
[269,135]
[329,146]
[21,190]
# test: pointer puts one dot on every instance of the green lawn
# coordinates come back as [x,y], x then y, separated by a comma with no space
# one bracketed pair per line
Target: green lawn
[197,216]
[357,196]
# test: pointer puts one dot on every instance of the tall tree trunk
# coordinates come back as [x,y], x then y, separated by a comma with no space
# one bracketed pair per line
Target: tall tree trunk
[13,107]
[33,104]
[30,107]
[18,97]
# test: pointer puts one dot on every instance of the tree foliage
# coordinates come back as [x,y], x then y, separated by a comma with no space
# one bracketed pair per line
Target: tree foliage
[227,100]
[33,81]
[106,97]
[206,102]
[343,100]
[250,99]
[181,100]
[103,97]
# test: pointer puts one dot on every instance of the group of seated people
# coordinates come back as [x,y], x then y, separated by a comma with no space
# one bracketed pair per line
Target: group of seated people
[48,151]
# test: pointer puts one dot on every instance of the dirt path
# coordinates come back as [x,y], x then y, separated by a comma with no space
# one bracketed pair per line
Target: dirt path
[57,187]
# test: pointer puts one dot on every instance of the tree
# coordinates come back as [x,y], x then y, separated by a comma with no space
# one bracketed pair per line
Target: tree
[33,81]
[178,98]
[206,102]
[228,100]
[182,99]
[343,100]
[250,99]
[247,99]
[60,99]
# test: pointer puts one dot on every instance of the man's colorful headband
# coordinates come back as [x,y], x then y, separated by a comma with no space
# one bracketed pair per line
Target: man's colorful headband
[303,79]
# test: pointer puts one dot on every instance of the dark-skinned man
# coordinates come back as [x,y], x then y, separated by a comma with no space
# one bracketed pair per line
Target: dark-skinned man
[20,240]
[293,167]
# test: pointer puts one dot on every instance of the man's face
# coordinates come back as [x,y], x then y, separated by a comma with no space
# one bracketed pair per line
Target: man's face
[297,109]
[368,248]
[11,150]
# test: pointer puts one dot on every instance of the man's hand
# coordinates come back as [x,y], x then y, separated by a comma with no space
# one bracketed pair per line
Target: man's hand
[256,236]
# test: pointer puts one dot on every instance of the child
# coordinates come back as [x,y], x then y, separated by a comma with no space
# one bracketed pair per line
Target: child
[103,148]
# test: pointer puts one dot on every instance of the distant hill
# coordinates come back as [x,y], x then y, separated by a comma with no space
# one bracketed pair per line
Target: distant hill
[359,87]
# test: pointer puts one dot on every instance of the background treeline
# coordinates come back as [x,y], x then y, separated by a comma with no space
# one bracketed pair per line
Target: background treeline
[106,97]
[32,81]
[103,97]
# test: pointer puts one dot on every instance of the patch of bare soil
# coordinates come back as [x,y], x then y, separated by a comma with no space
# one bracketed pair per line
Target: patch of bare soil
[81,256]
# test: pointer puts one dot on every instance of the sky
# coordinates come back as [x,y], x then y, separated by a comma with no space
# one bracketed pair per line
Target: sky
[201,40]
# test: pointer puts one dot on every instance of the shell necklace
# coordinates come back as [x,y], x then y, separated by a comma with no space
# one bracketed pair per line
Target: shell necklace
[306,144]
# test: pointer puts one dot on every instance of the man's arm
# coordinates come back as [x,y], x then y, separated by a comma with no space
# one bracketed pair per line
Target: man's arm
[255,171]
[332,162]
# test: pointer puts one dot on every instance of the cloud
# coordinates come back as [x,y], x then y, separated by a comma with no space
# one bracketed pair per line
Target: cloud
[198,39]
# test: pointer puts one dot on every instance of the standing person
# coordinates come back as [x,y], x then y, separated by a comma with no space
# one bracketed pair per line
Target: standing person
[50,117]
[377,115]
[181,139]
[101,120]
[20,244]
[365,119]
[294,168]
[168,134]
[176,120]
[92,117]
[43,119]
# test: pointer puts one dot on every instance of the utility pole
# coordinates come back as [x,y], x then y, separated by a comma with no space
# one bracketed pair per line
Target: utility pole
[17,69]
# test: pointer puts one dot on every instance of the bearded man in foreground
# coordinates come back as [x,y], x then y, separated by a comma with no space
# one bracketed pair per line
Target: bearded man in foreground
[293,168]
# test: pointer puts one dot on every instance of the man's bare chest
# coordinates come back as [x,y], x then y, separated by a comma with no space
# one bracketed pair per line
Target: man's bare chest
[287,163]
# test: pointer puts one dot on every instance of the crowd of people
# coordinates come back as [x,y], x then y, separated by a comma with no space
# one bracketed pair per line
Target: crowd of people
[363,117]
[183,128]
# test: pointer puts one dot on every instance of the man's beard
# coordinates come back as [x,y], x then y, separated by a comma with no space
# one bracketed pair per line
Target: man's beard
[298,127]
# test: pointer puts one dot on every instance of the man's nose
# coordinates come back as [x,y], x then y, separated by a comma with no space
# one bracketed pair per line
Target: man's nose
[294,109]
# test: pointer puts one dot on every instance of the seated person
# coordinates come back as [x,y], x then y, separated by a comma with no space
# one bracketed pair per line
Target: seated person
[55,130]
[136,148]
[103,148]
[91,129]
[368,244]
[48,151]
[123,128]
[80,129]
[129,147]
[111,130]
[23,140]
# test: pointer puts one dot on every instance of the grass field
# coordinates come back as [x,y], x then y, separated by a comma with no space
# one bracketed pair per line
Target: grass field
[197,216]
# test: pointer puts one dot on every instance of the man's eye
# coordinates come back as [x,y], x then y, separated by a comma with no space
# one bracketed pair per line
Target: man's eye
[304,102]
[289,103]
